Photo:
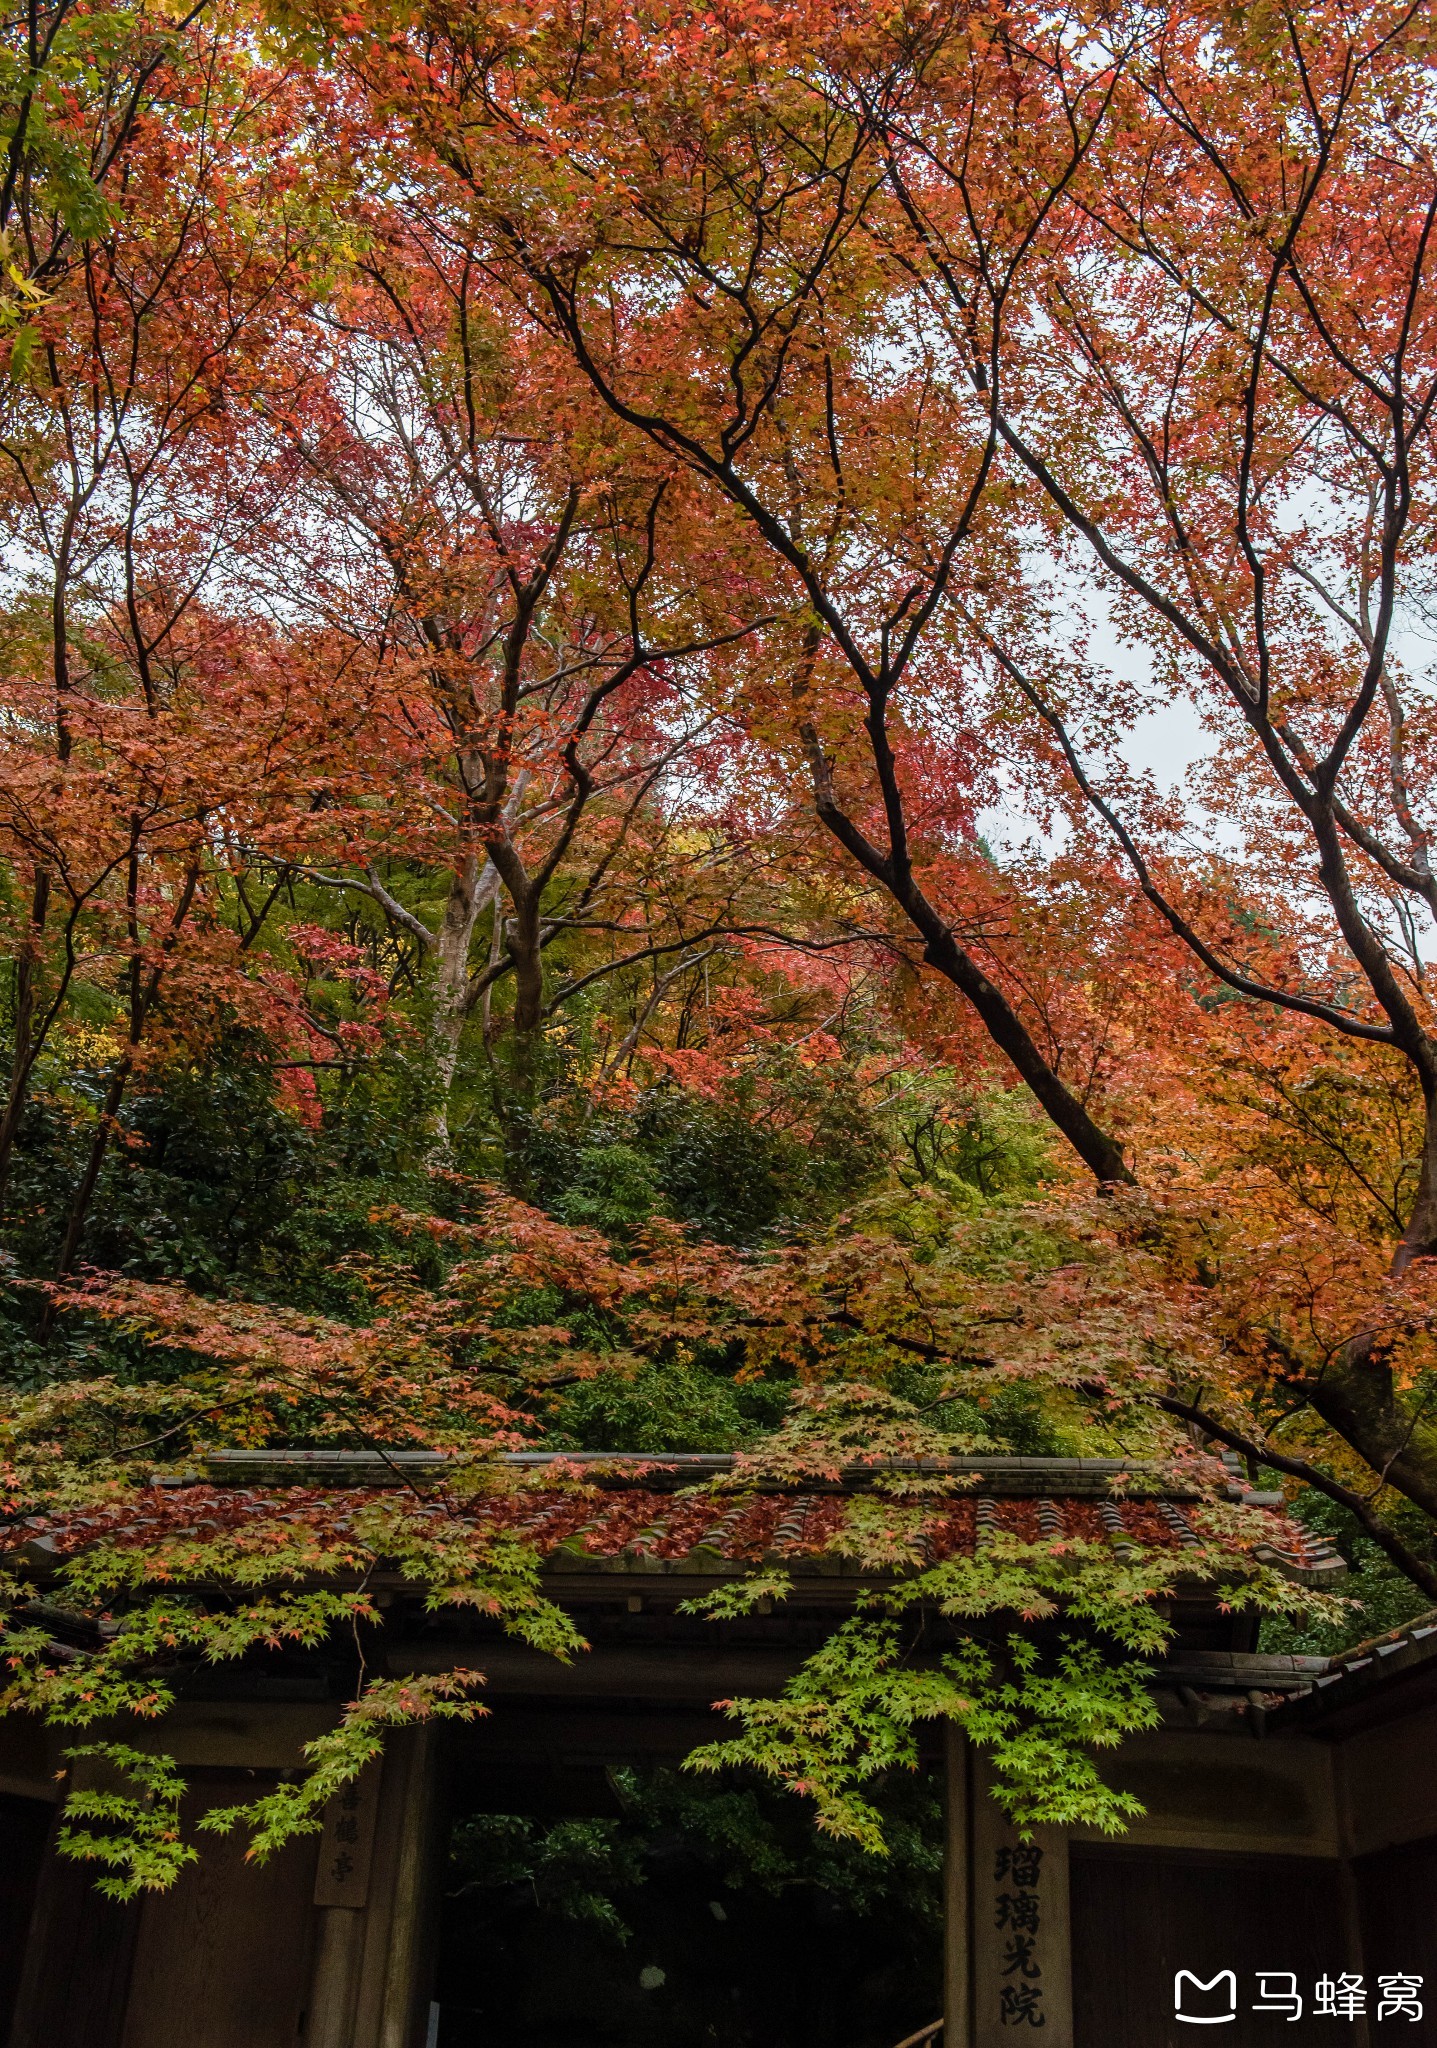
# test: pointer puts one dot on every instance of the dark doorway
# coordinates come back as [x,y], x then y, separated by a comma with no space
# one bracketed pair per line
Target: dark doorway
[1141,1915]
[25,1826]
[664,1911]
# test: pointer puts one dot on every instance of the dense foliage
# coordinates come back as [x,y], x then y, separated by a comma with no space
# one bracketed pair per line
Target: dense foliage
[583,588]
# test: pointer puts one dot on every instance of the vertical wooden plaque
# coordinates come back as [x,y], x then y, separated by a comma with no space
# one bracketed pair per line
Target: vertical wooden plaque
[1022,1959]
[346,1847]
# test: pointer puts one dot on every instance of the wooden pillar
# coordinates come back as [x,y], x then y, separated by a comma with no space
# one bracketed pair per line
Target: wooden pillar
[393,1990]
[376,1896]
[957,1891]
[341,1901]
[334,1987]
[405,2009]
[1022,1971]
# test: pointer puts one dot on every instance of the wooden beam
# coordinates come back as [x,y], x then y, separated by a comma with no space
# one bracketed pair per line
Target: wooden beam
[689,1674]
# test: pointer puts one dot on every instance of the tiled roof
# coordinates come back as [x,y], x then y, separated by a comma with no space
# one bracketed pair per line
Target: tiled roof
[671,1469]
[1353,1674]
[636,1526]
[645,1516]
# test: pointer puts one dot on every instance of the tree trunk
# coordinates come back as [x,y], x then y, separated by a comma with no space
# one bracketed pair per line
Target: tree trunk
[27,976]
[473,890]
[528,959]
[1356,1398]
[1356,1394]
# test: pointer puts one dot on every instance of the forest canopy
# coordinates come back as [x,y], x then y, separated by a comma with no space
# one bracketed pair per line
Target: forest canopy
[718,735]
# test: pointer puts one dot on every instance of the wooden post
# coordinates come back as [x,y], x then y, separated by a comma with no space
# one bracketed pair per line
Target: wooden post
[334,1985]
[1360,2034]
[393,1992]
[957,1891]
[406,1988]
[1022,1971]
[341,1897]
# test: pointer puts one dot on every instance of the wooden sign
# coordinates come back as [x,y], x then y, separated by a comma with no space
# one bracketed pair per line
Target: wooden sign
[346,1847]
[1022,1966]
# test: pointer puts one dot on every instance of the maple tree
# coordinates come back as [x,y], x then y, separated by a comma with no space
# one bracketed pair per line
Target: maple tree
[523,593]
[708,264]
[925,302]
[141,719]
[1252,364]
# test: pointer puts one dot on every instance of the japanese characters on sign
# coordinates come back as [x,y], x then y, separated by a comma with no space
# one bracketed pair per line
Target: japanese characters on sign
[1018,1914]
[1214,2001]
[347,1841]
[1022,1979]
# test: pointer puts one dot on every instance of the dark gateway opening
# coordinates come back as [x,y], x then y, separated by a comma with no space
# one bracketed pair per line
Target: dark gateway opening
[659,1910]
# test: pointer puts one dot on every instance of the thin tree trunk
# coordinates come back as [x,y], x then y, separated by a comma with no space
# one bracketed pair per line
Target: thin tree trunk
[27,978]
[27,1042]
[526,954]
[142,1002]
[99,1145]
[473,890]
